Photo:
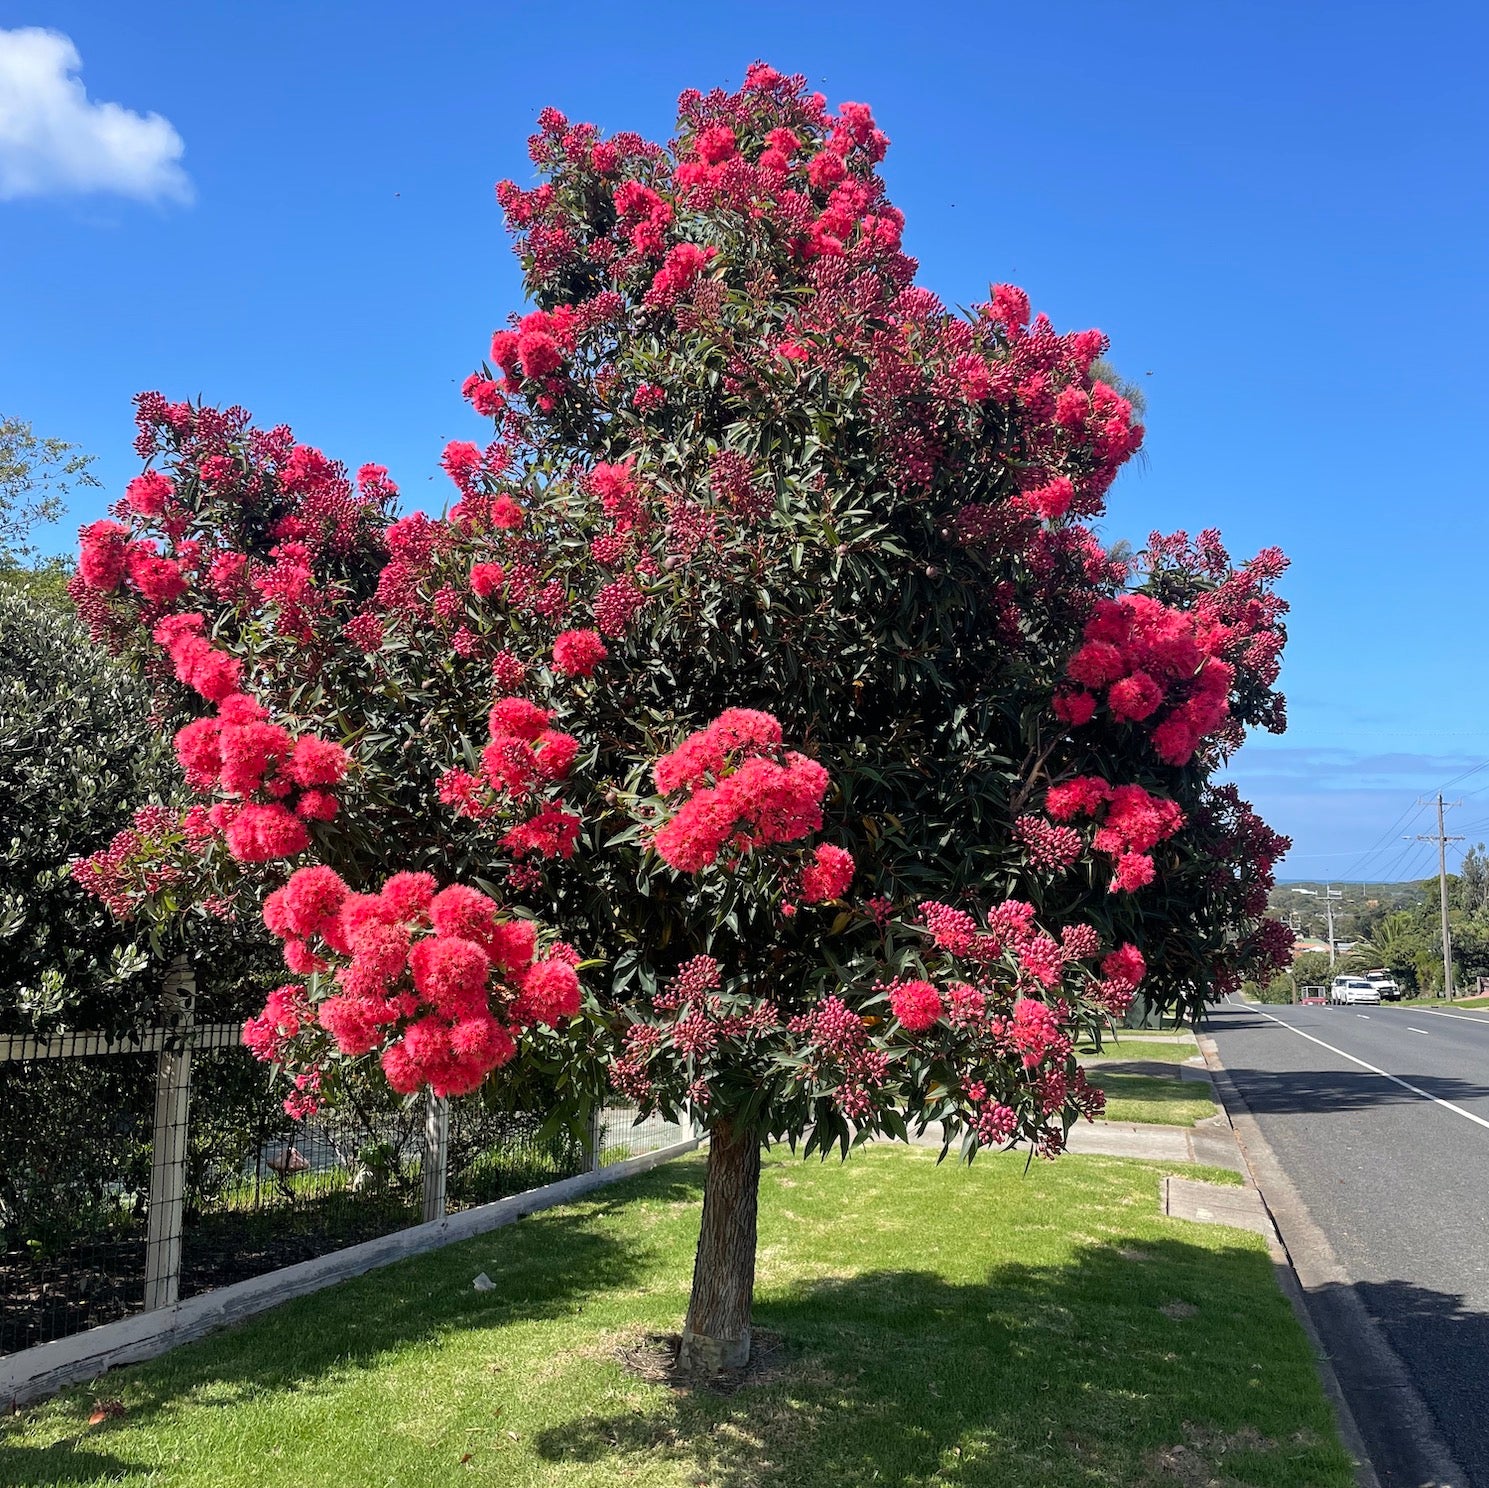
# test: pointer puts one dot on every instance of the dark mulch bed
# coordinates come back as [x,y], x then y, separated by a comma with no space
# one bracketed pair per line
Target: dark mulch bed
[56,1296]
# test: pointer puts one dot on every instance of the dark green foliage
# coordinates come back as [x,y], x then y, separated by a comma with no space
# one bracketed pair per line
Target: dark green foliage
[78,751]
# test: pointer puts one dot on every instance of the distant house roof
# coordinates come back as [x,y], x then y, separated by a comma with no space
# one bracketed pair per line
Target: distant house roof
[1302,945]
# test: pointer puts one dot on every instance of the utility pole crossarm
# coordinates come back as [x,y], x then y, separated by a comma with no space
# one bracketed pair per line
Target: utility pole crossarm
[1329,894]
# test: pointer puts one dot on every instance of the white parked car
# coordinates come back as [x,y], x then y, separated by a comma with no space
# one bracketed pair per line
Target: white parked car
[1346,991]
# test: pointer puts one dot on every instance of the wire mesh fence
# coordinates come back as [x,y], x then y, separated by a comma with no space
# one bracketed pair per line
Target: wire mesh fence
[74,1190]
[134,1175]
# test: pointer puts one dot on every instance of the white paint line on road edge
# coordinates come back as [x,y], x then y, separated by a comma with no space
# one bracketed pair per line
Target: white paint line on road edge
[1385,1074]
[1461,1017]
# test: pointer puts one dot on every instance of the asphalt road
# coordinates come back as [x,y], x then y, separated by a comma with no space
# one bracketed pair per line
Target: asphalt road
[1396,1178]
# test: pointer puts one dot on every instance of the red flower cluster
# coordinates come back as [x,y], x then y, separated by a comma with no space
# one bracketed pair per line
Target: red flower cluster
[743,792]
[1034,1032]
[439,982]
[109,557]
[916,1004]
[239,753]
[525,758]
[576,653]
[534,351]
[756,263]
[1151,662]
[1134,824]
[827,875]
[679,272]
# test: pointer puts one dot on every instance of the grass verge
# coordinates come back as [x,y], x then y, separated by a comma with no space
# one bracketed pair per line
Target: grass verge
[1149,1099]
[1160,1050]
[942,1326]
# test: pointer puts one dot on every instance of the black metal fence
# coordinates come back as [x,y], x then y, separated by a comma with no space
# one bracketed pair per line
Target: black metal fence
[135,1174]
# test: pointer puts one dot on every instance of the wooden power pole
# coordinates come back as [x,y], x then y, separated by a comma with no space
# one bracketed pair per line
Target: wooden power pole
[1441,838]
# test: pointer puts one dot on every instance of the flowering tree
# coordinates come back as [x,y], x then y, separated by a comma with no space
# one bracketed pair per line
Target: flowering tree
[768,654]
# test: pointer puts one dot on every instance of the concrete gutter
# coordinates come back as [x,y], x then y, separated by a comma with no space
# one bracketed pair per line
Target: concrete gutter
[1402,1447]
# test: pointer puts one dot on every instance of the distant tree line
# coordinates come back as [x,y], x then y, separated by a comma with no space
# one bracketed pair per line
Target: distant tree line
[1396,926]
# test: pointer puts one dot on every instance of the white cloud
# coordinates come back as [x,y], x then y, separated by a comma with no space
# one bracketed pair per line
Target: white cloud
[55,140]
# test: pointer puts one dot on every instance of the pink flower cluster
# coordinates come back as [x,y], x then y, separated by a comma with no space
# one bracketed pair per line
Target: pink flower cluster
[1151,662]
[438,980]
[1134,823]
[149,855]
[742,791]
[706,1030]
[525,758]
[1049,849]
[275,781]
[838,1055]
[1011,930]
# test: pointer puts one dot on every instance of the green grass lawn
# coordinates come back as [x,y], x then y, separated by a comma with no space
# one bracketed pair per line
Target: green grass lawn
[1151,1098]
[941,1325]
[1162,1050]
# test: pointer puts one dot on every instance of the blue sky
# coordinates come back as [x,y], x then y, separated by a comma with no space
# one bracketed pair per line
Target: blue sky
[1277,211]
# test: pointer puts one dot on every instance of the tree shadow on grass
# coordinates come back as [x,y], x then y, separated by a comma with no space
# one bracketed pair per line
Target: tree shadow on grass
[1136,1363]
[296,1347]
[67,1462]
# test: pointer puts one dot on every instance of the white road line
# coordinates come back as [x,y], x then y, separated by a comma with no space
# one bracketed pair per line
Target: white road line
[1375,1069]
[1422,1031]
[1362,1015]
[1461,1017]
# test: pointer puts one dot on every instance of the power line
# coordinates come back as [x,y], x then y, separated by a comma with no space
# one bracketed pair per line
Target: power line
[1474,770]
[1393,873]
[1387,838]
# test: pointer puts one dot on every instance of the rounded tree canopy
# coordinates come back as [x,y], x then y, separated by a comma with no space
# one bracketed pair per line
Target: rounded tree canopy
[768,655]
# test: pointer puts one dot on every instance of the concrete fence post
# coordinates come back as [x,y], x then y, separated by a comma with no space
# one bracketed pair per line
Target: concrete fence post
[436,1155]
[169,1145]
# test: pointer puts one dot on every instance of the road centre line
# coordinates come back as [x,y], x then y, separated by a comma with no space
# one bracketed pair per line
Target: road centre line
[1422,1031]
[1385,1074]
[1363,1015]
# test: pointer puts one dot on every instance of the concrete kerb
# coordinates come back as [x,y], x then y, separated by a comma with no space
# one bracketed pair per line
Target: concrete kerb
[1404,1445]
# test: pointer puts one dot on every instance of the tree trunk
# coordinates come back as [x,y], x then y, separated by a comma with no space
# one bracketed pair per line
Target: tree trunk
[717,1333]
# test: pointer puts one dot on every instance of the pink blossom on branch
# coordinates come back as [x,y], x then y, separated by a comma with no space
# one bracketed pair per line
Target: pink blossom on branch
[439,985]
